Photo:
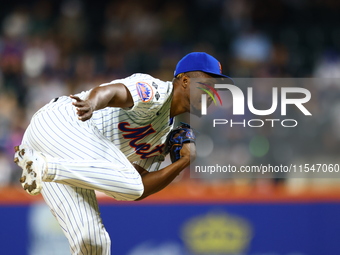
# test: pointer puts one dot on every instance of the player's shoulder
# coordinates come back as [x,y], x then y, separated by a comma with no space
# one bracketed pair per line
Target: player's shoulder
[143,77]
[142,80]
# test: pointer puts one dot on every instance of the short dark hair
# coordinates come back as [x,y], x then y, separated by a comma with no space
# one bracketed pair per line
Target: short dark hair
[192,74]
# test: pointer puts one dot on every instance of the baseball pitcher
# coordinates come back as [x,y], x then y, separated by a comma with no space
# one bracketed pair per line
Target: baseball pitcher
[111,139]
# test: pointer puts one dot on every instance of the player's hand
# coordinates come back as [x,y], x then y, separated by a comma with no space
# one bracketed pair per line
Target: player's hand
[83,107]
[188,151]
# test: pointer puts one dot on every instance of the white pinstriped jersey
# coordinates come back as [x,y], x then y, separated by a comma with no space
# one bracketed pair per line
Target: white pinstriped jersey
[139,132]
[96,155]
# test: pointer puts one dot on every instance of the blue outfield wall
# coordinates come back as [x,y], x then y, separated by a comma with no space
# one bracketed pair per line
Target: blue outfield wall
[178,229]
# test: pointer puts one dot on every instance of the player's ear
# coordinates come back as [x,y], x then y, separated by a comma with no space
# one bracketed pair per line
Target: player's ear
[185,81]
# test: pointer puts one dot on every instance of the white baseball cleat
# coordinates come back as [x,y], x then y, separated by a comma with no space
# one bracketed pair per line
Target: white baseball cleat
[33,166]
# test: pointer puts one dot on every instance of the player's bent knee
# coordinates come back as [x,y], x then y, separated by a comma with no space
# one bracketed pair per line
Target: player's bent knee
[131,190]
[137,192]
[137,189]
[140,192]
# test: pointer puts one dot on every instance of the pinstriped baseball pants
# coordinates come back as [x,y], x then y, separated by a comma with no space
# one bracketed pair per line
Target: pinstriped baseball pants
[80,160]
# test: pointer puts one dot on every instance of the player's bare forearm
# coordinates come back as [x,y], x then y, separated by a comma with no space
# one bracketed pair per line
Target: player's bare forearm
[158,180]
[114,95]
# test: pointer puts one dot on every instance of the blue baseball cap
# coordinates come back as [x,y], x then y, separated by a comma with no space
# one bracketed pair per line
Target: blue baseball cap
[199,61]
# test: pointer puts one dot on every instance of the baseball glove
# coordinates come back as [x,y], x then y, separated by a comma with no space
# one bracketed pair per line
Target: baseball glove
[176,138]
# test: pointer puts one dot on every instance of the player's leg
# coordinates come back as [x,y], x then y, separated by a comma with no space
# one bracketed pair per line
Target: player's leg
[122,183]
[114,179]
[75,208]
[79,155]
[77,212]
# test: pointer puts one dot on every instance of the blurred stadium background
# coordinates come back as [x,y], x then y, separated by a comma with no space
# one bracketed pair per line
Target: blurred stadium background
[51,48]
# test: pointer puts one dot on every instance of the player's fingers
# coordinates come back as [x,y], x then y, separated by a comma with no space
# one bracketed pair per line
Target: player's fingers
[79,104]
[85,116]
[82,114]
[85,108]
[76,98]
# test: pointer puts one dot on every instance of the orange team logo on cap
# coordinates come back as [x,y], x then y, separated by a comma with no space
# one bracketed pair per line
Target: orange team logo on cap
[219,64]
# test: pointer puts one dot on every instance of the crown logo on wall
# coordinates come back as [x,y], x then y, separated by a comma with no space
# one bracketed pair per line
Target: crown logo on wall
[217,234]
